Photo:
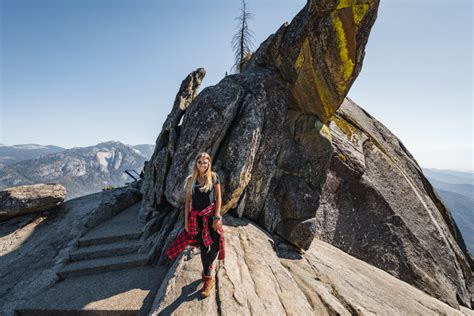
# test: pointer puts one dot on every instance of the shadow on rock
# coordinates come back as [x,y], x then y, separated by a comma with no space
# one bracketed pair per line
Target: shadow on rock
[188,293]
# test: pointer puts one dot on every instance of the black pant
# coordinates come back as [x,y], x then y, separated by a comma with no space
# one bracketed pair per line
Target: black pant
[208,255]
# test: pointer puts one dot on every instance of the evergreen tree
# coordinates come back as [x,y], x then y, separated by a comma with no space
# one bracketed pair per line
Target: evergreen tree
[242,41]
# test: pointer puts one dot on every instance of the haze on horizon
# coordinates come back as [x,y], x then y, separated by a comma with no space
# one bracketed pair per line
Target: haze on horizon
[78,73]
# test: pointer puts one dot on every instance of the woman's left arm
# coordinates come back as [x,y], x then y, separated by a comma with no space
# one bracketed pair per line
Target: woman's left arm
[216,223]
[217,188]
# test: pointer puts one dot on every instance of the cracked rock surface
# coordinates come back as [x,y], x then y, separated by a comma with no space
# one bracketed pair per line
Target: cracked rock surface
[34,247]
[266,276]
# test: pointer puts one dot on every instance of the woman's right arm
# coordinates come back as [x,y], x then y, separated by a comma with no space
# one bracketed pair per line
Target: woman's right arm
[187,208]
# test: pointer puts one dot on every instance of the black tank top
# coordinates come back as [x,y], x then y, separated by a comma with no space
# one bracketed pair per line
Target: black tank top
[201,200]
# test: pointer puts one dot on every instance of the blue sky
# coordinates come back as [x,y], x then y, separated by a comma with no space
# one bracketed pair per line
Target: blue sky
[80,72]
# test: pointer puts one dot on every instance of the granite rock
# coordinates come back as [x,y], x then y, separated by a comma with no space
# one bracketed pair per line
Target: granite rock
[20,200]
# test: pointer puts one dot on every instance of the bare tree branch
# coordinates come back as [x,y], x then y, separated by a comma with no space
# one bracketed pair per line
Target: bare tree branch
[242,41]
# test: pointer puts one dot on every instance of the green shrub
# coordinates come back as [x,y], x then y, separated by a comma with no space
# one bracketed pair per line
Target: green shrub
[107,188]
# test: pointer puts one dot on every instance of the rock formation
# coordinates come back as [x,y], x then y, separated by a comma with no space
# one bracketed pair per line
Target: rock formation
[33,247]
[26,199]
[378,206]
[263,276]
[262,273]
[154,182]
[328,212]
[296,161]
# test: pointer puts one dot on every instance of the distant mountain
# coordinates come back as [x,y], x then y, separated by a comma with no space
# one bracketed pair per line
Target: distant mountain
[462,208]
[450,176]
[460,188]
[145,149]
[82,170]
[456,189]
[12,154]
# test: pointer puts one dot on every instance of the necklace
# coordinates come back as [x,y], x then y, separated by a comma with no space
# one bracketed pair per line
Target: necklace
[200,179]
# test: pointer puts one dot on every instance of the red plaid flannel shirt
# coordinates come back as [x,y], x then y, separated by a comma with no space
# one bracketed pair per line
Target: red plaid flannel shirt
[189,238]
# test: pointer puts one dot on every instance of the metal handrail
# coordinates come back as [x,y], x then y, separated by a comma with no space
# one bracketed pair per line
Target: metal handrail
[131,175]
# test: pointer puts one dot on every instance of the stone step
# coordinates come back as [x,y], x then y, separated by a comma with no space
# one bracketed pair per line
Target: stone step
[105,250]
[124,292]
[99,265]
[110,233]
[123,226]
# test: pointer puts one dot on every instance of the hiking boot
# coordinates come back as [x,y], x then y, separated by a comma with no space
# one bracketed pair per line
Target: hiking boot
[207,287]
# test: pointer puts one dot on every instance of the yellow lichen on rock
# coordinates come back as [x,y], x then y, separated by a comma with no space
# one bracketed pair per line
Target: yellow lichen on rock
[342,156]
[345,127]
[299,61]
[309,88]
[359,10]
[326,133]
[347,65]
[344,4]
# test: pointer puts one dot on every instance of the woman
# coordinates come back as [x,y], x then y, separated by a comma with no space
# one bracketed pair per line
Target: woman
[202,220]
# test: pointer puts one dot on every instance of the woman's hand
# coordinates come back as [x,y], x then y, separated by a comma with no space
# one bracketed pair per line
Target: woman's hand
[216,224]
[186,226]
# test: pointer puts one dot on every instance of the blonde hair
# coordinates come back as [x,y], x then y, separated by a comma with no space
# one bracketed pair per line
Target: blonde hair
[209,176]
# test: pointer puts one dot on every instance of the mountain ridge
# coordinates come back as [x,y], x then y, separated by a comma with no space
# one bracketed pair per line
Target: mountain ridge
[82,170]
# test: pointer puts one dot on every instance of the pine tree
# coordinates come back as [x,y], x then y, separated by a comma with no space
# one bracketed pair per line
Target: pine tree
[242,41]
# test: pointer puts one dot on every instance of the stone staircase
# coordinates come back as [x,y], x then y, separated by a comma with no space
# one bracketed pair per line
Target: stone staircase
[112,245]
[105,274]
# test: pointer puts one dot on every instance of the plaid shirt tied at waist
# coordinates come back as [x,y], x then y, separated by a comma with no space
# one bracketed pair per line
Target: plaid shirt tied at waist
[189,238]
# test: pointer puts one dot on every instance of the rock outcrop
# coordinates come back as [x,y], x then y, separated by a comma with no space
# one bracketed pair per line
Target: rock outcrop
[328,212]
[156,171]
[262,273]
[26,199]
[377,206]
[34,247]
[266,276]
[292,159]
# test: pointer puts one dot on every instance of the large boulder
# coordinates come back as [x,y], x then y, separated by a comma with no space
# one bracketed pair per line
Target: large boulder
[320,53]
[294,161]
[26,199]
[377,205]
